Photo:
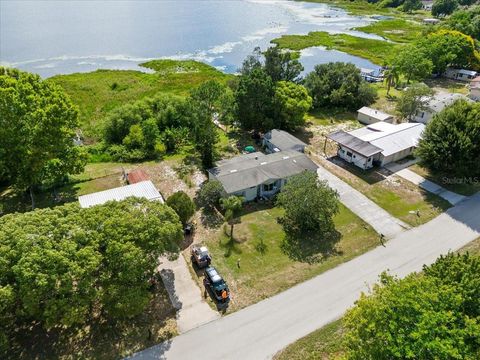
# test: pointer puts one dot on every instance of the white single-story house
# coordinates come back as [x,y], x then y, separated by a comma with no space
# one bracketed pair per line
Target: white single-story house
[475,89]
[279,140]
[377,144]
[143,189]
[257,175]
[427,5]
[460,74]
[438,102]
[431,21]
[369,116]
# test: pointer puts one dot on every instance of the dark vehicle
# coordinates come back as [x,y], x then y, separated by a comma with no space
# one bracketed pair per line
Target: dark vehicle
[216,286]
[200,256]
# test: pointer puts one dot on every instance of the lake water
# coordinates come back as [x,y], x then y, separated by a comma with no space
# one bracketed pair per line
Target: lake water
[58,37]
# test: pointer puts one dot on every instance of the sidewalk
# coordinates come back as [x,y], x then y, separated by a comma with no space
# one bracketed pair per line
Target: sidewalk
[451,197]
[363,207]
[185,295]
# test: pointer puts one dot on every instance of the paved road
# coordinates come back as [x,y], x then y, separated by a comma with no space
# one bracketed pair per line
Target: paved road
[185,295]
[261,330]
[366,209]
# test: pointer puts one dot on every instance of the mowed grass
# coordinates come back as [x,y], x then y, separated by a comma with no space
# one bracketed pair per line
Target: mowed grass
[397,196]
[398,30]
[265,268]
[463,186]
[377,51]
[98,92]
[325,343]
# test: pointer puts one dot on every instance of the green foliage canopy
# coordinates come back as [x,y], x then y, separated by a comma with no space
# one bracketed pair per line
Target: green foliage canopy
[61,266]
[434,315]
[451,141]
[37,128]
[338,85]
[182,204]
[309,204]
[210,193]
[413,99]
[412,63]
[291,104]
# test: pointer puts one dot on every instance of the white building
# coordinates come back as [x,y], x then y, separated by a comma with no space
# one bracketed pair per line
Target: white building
[460,74]
[258,175]
[438,102]
[143,189]
[475,89]
[369,116]
[377,144]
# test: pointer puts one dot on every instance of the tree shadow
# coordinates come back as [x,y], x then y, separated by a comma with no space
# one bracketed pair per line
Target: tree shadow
[230,246]
[370,176]
[311,247]
[211,218]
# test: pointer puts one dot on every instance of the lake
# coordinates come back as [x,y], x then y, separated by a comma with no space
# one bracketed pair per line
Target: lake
[60,37]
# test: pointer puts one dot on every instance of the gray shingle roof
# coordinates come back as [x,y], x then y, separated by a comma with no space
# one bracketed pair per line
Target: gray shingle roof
[246,171]
[284,140]
[349,141]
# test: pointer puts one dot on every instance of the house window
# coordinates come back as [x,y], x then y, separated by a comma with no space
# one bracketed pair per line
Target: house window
[354,156]
[268,187]
[349,153]
[422,115]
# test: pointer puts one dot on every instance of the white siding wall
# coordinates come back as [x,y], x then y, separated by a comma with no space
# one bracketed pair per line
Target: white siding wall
[248,194]
[423,117]
[397,156]
[365,119]
[356,159]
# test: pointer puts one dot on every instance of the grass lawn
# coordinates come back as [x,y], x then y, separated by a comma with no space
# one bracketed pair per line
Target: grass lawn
[397,30]
[324,343]
[100,91]
[377,51]
[265,268]
[462,187]
[101,340]
[397,196]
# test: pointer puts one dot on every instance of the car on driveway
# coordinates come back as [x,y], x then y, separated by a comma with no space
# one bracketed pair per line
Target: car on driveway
[200,256]
[216,286]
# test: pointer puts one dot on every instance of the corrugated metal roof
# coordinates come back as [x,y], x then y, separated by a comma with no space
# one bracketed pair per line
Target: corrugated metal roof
[244,172]
[143,189]
[354,143]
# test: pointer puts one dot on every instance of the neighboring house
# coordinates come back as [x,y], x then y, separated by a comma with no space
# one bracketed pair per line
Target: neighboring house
[258,175]
[279,140]
[475,89]
[431,21]
[438,102]
[368,116]
[137,176]
[460,74]
[377,144]
[144,189]
[427,5]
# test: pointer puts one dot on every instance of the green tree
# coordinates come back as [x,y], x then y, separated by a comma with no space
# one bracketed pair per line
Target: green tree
[182,204]
[254,99]
[309,204]
[338,85]
[37,128]
[210,193]
[451,141]
[232,206]
[412,63]
[434,315]
[449,48]
[282,65]
[413,99]
[392,77]
[444,7]
[411,5]
[466,21]
[291,104]
[65,266]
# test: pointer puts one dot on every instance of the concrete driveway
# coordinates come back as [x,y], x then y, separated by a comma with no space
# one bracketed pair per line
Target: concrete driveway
[363,207]
[261,330]
[185,295]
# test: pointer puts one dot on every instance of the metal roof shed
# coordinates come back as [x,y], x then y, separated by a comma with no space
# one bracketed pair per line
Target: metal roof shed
[143,189]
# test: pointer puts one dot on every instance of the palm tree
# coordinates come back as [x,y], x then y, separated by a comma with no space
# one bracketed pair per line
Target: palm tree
[232,206]
[391,78]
